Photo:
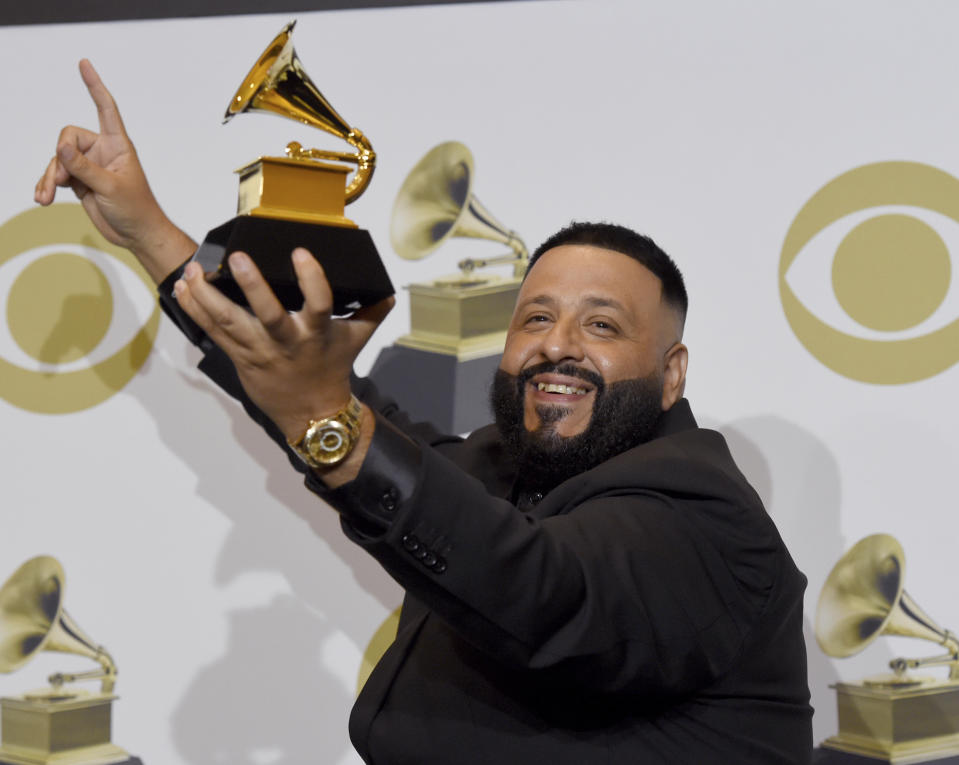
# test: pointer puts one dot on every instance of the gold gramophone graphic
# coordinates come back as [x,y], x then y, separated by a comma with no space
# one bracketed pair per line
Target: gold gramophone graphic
[58,725]
[441,370]
[298,199]
[896,717]
[464,315]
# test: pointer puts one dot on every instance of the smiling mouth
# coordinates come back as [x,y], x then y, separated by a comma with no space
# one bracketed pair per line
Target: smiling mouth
[568,390]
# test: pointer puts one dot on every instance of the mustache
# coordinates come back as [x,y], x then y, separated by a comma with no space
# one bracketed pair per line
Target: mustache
[565,369]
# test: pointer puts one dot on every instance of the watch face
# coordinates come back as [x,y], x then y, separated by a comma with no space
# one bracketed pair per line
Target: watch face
[330,443]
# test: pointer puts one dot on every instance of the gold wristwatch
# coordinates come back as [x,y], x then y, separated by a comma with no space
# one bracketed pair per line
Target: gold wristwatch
[327,442]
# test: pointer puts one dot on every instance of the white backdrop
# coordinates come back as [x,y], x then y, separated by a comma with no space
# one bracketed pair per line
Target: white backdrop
[236,611]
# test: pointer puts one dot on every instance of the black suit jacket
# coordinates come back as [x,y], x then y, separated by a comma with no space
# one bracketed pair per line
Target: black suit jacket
[645,611]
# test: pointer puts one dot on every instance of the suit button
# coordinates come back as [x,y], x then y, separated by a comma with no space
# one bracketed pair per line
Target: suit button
[429,559]
[440,566]
[388,500]
[421,553]
[411,542]
[536,497]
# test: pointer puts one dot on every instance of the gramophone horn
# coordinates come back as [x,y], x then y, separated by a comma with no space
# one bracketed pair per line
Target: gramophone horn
[278,83]
[32,619]
[436,202]
[863,597]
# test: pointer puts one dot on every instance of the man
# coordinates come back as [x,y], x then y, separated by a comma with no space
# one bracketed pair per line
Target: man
[591,579]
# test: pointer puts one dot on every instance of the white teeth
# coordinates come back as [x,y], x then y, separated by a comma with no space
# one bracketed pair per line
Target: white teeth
[554,388]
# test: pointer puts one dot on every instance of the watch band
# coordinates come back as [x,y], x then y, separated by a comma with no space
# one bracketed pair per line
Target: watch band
[329,441]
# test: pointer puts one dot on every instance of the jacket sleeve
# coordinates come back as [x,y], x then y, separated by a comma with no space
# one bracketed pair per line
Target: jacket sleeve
[619,590]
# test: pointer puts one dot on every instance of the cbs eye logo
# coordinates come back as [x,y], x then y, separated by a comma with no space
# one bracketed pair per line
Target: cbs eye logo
[79,315]
[891,317]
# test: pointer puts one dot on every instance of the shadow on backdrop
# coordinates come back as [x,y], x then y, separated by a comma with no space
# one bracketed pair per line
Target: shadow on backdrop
[267,700]
[266,709]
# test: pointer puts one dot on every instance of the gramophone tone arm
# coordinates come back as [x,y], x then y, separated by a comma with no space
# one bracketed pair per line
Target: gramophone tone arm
[364,159]
[949,642]
[60,678]
[106,686]
[107,671]
[468,265]
[901,665]
[295,150]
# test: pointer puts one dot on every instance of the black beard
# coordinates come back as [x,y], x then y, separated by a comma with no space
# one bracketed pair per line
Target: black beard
[625,414]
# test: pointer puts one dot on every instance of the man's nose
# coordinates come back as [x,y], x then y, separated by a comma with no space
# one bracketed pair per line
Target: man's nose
[563,342]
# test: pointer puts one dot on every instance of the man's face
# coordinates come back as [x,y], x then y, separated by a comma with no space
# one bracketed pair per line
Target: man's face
[599,315]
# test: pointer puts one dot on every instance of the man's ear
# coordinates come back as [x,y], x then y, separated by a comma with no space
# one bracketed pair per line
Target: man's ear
[674,374]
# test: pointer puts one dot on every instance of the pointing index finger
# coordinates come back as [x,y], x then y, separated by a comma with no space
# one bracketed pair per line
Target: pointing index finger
[109,115]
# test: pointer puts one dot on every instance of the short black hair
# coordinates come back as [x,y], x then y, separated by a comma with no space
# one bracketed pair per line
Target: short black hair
[610,236]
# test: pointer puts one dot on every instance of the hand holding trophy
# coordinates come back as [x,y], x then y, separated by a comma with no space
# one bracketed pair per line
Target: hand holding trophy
[298,200]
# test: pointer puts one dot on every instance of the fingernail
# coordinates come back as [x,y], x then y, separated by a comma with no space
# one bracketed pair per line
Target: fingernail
[191,270]
[238,263]
[179,287]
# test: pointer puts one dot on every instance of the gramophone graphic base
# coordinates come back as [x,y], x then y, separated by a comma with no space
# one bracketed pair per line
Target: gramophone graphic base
[348,256]
[462,317]
[435,387]
[442,370]
[822,756]
[72,731]
[898,725]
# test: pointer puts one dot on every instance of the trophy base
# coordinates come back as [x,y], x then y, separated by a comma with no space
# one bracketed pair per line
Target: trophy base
[59,731]
[294,189]
[85,758]
[348,256]
[823,756]
[437,387]
[462,317]
[898,724]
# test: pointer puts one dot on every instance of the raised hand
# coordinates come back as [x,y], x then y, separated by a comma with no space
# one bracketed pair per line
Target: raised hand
[105,173]
[293,366]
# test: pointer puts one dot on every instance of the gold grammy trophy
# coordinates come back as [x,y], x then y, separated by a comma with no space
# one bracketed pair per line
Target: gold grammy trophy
[458,323]
[896,717]
[59,725]
[298,199]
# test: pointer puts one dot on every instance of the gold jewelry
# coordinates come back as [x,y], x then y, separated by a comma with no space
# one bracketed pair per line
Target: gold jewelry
[327,442]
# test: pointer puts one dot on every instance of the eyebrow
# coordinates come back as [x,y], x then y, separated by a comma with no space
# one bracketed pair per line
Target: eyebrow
[593,301]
